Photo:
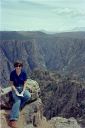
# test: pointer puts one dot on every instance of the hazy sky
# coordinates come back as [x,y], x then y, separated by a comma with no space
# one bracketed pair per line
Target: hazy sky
[49,15]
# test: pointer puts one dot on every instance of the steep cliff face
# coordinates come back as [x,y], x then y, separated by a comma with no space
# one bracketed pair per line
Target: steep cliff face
[66,55]
[61,96]
[63,52]
[12,50]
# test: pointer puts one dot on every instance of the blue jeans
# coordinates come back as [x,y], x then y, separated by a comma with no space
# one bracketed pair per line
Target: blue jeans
[19,103]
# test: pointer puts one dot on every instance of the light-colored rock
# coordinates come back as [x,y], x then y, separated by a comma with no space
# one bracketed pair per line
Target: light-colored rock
[59,122]
[30,112]
[33,86]
[5,91]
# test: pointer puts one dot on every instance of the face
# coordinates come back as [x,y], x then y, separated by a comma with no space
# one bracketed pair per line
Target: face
[18,67]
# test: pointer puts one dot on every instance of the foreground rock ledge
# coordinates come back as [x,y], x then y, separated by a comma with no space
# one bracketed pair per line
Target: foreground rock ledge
[30,119]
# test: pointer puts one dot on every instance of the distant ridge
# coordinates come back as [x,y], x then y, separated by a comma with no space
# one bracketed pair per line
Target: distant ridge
[21,35]
[25,35]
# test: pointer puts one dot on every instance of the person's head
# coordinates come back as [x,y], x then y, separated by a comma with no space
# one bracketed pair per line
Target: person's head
[18,65]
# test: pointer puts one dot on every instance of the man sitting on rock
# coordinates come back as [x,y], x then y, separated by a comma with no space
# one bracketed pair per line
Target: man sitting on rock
[20,95]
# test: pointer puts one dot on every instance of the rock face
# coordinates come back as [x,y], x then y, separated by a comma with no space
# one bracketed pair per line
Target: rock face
[61,96]
[61,52]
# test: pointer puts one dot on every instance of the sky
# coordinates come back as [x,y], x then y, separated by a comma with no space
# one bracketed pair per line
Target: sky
[42,15]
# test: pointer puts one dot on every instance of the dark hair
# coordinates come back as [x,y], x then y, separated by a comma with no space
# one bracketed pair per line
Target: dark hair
[18,62]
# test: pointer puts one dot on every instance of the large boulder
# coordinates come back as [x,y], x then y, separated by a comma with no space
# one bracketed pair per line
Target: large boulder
[33,87]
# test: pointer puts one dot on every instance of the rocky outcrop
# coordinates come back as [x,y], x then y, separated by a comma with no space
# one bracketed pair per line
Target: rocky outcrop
[61,96]
[31,116]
